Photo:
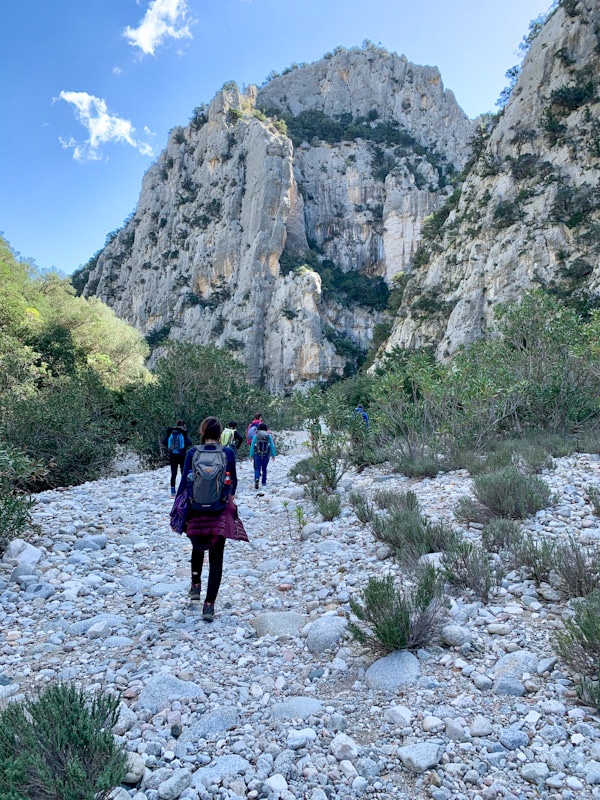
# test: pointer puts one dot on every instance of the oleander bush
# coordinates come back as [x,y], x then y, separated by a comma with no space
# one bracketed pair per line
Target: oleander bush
[59,746]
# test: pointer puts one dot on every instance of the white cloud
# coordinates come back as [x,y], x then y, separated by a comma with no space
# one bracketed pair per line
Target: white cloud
[117,71]
[102,128]
[163,19]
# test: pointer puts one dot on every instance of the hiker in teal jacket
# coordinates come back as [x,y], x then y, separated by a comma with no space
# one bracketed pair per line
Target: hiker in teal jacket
[262,448]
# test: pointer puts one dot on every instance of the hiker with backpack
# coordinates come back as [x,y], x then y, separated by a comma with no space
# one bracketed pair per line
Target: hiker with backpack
[253,427]
[177,442]
[231,437]
[207,488]
[262,448]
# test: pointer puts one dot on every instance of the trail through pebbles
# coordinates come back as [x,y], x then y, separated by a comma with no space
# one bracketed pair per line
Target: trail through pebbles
[257,704]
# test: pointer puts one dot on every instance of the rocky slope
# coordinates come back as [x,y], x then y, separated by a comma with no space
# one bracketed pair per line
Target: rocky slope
[529,210]
[273,699]
[236,204]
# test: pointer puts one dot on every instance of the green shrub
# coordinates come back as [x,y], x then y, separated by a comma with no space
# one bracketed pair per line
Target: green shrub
[579,645]
[511,494]
[330,505]
[15,506]
[410,536]
[536,555]
[468,566]
[418,466]
[393,499]
[395,619]
[593,493]
[59,746]
[362,507]
[500,534]
[578,568]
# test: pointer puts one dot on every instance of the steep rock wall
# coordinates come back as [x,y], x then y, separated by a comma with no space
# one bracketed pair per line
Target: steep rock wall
[201,258]
[529,210]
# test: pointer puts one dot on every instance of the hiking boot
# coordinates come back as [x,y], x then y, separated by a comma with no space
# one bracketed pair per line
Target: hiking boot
[173,491]
[195,591]
[256,484]
[208,612]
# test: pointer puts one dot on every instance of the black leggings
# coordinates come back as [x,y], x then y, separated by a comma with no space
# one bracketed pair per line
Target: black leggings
[215,571]
[176,461]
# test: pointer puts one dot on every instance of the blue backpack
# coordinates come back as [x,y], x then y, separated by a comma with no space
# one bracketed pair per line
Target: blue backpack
[176,443]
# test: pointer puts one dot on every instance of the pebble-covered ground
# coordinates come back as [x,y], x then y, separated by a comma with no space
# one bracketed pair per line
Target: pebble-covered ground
[274,699]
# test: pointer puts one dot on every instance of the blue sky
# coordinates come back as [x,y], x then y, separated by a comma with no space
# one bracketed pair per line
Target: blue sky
[90,88]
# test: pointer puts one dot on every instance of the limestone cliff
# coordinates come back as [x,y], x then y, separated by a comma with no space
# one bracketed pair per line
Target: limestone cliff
[270,236]
[528,213]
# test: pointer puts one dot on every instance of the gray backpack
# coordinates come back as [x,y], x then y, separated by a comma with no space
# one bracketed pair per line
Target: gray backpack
[207,487]
[261,445]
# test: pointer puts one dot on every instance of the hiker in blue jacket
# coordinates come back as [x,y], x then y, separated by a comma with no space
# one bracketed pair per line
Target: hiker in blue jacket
[361,413]
[262,448]
[177,442]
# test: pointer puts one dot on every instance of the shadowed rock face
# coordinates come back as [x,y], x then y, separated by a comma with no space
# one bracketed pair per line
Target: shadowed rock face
[201,258]
[529,210]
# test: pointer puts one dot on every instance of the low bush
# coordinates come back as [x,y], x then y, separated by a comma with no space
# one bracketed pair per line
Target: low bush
[593,493]
[330,505]
[392,499]
[469,510]
[511,494]
[410,535]
[536,555]
[500,534]
[363,509]
[418,466]
[59,746]
[579,645]
[578,568]
[468,566]
[15,505]
[396,619]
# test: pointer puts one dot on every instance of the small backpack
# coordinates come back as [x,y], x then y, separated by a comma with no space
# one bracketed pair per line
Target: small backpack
[262,446]
[207,486]
[228,437]
[176,443]
[252,429]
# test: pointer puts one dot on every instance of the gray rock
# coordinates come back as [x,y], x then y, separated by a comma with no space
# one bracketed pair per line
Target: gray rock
[154,779]
[482,682]
[419,757]
[455,635]
[285,763]
[296,708]
[395,670]
[592,773]
[43,590]
[510,686]
[325,633]
[135,769]
[278,623]
[221,769]
[163,688]
[212,724]
[126,720]
[343,747]
[516,664]
[83,625]
[481,726]
[172,788]
[22,553]
[535,773]
[512,739]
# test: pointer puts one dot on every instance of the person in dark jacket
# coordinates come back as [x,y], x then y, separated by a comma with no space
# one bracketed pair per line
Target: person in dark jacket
[208,530]
[172,442]
[262,448]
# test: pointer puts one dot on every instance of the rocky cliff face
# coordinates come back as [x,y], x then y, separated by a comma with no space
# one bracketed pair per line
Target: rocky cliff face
[272,241]
[528,213]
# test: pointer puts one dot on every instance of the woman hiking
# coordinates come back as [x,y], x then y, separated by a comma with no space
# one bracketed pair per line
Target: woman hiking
[210,480]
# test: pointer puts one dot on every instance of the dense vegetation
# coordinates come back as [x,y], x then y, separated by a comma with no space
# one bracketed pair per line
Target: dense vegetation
[73,389]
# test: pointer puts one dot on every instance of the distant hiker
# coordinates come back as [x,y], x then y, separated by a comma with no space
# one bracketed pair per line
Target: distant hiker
[253,427]
[262,448]
[177,442]
[210,480]
[362,414]
[231,437]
